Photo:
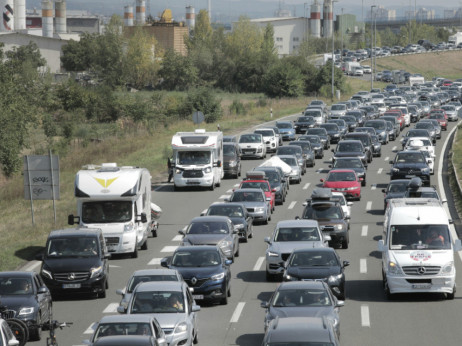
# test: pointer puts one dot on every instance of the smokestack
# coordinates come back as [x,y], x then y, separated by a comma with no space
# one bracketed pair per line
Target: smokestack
[140,12]
[328,18]
[20,15]
[190,17]
[47,18]
[128,15]
[8,15]
[315,19]
[60,14]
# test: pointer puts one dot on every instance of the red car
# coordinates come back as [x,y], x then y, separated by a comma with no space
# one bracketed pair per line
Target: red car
[441,116]
[344,181]
[397,114]
[258,180]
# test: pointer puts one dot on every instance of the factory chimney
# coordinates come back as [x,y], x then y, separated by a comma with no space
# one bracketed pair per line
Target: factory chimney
[140,12]
[47,18]
[315,19]
[60,15]
[128,15]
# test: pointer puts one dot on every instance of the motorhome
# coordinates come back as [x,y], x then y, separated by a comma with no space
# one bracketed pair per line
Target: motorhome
[417,248]
[197,159]
[118,201]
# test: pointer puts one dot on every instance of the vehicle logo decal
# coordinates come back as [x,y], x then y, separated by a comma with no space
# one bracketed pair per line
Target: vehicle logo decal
[71,276]
[105,182]
[421,270]
[194,281]
[420,255]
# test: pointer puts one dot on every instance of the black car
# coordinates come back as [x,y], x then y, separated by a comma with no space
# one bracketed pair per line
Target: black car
[350,148]
[27,295]
[205,268]
[409,164]
[351,122]
[371,112]
[333,131]
[307,151]
[380,127]
[359,116]
[341,124]
[376,146]
[231,159]
[322,133]
[416,133]
[316,144]
[395,189]
[304,123]
[75,261]
[354,163]
[366,139]
[396,125]
[317,264]
[277,182]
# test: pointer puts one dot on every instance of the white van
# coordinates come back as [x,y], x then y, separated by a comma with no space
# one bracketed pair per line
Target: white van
[417,248]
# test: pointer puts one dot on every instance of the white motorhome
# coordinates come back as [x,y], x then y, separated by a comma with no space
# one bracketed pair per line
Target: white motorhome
[417,248]
[118,201]
[197,159]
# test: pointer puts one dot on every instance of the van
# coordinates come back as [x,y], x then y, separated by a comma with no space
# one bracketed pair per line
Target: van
[417,248]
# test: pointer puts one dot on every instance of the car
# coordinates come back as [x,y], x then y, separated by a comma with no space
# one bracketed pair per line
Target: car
[414,112]
[212,230]
[307,152]
[278,182]
[367,69]
[257,179]
[205,269]
[27,295]
[290,150]
[230,139]
[333,131]
[367,129]
[372,111]
[322,133]
[350,148]
[303,123]
[341,124]
[269,137]
[436,125]
[254,201]
[365,139]
[296,173]
[252,145]
[451,112]
[416,190]
[231,159]
[395,189]
[178,319]
[145,275]
[7,337]
[354,163]
[351,122]
[132,340]
[278,135]
[128,325]
[396,126]
[75,261]
[317,113]
[286,130]
[337,111]
[409,164]
[359,114]
[345,181]
[440,117]
[331,219]
[237,213]
[430,160]
[421,132]
[390,128]
[287,236]
[380,127]
[376,146]
[317,264]
[318,103]
[420,143]
[316,144]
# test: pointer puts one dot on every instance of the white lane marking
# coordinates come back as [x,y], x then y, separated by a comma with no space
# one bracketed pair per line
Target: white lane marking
[178,237]
[307,185]
[440,184]
[224,196]
[394,148]
[229,191]
[237,312]
[111,308]
[91,329]
[380,171]
[364,231]
[32,266]
[365,321]
[236,185]
[259,263]
[154,262]
[113,266]
[292,205]
[373,186]
[319,170]
[169,248]
[363,266]
[369,205]
[387,158]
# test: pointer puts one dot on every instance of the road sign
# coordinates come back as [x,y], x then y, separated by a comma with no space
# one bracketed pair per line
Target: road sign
[198,117]
[41,177]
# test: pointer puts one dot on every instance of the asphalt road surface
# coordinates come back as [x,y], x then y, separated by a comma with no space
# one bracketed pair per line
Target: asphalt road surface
[367,317]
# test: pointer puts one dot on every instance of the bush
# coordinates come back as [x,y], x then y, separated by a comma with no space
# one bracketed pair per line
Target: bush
[237,108]
[205,101]
[283,80]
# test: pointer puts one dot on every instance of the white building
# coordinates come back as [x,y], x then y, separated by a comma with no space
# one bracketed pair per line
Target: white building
[289,32]
[382,14]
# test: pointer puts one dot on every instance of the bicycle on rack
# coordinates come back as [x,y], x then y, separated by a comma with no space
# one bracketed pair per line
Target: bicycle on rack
[52,326]
[17,326]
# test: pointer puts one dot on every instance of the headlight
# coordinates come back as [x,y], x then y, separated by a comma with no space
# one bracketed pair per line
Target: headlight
[218,276]
[273,254]
[232,163]
[425,170]
[26,311]
[259,210]
[47,274]
[395,170]
[339,227]
[448,268]
[240,225]
[277,188]
[181,328]
[177,171]
[260,150]
[394,269]
[334,278]
[224,243]
[96,271]
[129,227]
[207,169]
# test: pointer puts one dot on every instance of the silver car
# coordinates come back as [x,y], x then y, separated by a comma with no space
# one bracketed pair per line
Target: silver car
[451,112]
[172,304]
[256,203]
[288,236]
[296,173]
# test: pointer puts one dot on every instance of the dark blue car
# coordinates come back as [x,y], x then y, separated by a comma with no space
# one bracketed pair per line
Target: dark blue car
[205,268]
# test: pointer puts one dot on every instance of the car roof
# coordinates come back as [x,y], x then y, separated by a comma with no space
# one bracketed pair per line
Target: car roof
[341,170]
[297,223]
[75,232]
[211,218]
[298,285]
[160,285]
[156,271]
[126,318]
[317,249]
[251,189]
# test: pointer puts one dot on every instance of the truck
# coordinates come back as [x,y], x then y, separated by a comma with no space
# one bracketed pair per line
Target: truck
[416,80]
[197,159]
[327,57]
[455,39]
[118,201]
[349,67]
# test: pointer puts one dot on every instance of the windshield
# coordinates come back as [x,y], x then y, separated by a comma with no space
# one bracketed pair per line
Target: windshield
[410,157]
[265,133]
[313,259]
[290,161]
[255,185]
[289,150]
[323,212]
[251,138]
[301,298]
[397,187]
[157,302]
[229,150]
[135,280]
[348,163]
[72,247]
[122,328]
[107,212]
[247,196]
[348,146]
[203,258]
[15,286]
[194,157]
[202,227]
[341,176]
[319,131]
[405,237]
[378,125]
[330,127]
[338,107]
[296,234]
[308,120]
[228,210]
[283,125]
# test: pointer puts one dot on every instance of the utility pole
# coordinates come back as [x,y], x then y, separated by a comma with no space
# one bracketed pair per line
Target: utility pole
[372,50]
[333,36]
[342,29]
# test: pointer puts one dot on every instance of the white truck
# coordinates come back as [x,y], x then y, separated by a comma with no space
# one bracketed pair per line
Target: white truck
[417,248]
[197,159]
[118,201]
[455,39]
[350,67]
[416,80]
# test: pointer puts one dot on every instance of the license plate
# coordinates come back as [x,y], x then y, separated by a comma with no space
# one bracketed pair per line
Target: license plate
[420,286]
[71,285]
[410,176]
[198,296]
[111,248]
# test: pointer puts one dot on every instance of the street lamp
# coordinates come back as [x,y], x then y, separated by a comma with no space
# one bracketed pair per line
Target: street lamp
[333,36]
[372,50]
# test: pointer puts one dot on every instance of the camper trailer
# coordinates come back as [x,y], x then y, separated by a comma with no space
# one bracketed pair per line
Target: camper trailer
[118,201]
[197,159]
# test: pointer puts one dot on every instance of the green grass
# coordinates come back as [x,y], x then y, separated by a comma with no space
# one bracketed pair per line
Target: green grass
[456,164]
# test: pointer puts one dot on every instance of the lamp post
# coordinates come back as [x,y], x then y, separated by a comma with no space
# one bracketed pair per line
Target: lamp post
[333,36]
[372,50]
[341,28]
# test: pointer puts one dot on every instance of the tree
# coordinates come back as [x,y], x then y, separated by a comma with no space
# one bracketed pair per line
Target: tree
[283,80]
[28,55]
[205,101]
[177,72]
[77,55]
[202,33]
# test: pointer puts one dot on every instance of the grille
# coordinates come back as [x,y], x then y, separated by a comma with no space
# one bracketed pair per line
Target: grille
[79,276]
[193,173]
[112,240]
[421,270]
[327,228]
[419,281]
[7,314]
[250,210]
[249,151]
[199,282]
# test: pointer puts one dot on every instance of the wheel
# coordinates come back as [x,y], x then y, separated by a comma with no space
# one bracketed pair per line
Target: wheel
[239,172]
[363,183]
[154,232]
[237,252]
[106,285]
[386,288]
[269,217]
[246,237]
[145,245]
[102,294]
[219,184]
[250,232]
[224,300]
[212,187]
[135,253]
[36,333]
[196,339]
[345,244]
[229,292]
[450,296]
[19,329]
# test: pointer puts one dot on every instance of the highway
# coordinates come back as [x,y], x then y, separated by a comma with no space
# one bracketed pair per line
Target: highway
[367,318]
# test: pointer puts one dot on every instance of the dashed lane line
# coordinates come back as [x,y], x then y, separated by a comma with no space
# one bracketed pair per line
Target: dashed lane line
[91,329]
[373,186]
[32,266]
[364,231]
[365,320]
[380,171]
[307,185]
[237,312]
[259,263]
[387,159]
[363,266]
[154,262]
[369,205]
[224,196]
[178,237]
[111,308]
[292,205]
[169,248]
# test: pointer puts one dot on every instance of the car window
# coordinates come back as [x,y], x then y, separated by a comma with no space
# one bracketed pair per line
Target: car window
[15,286]
[135,280]
[323,212]
[296,234]
[154,302]
[397,187]
[208,228]
[123,328]
[419,237]
[243,196]
[230,211]
[294,298]
[196,259]
[250,138]
[341,176]
[313,259]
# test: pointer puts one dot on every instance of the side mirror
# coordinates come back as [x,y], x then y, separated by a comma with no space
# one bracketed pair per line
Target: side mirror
[39,257]
[121,310]
[340,303]
[164,262]
[265,305]
[227,200]
[267,240]
[384,191]
[330,166]
[332,150]
[297,217]
[349,204]
[444,201]
[327,237]
[120,292]
[390,162]
[457,245]
[273,190]
[71,219]
[347,217]
[195,308]
[346,263]
[143,219]
[42,290]
[181,232]
[321,180]
[381,245]
[228,262]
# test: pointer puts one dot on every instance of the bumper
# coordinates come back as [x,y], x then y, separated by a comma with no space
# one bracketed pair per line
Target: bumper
[415,284]
[211,291]
[124,242]
[231,170]
[273,265]
[93,285]
[349,193]
[257,216]
[205,181]
[288,136]
[177,339]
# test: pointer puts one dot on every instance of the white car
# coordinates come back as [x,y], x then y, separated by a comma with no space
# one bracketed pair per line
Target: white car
[346,206]
[252,145]
[6,335]
[359,71]
[367,69]
[270,138]
[420,143]
[430,160]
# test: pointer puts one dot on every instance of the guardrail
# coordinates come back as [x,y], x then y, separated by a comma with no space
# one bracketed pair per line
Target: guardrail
[452,161]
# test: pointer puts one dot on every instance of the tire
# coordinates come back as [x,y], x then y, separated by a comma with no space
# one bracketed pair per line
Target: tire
[224,300]
[135,253]
[19,329]
[154,233]
[212,187]
[219,184]
[363,183]
[106,285]
[36,333]
[250,232]
[196,339]
[145,245]
[237,252]
[102,294]
[451,296]
[345,244]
